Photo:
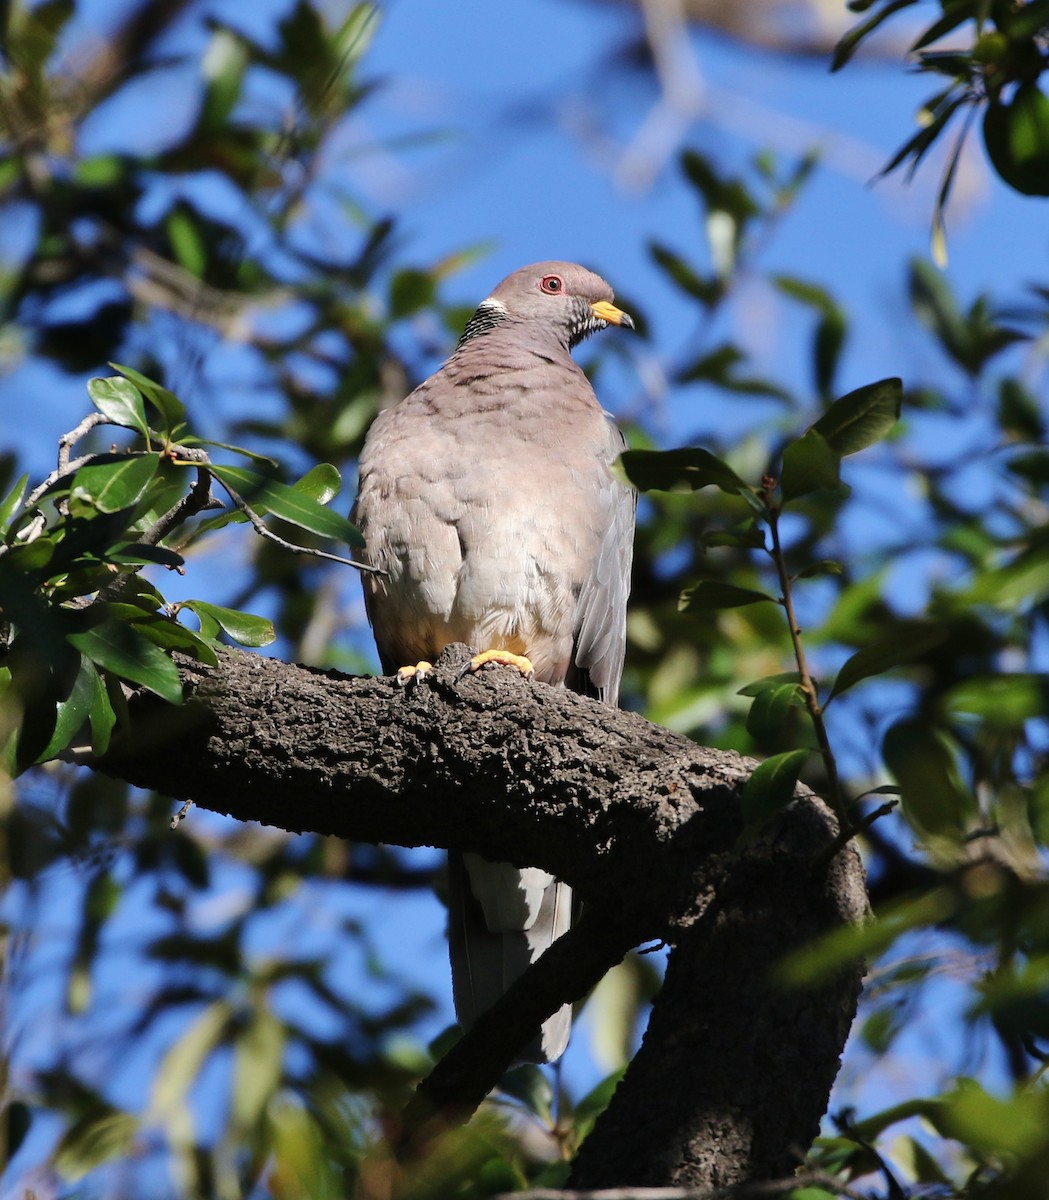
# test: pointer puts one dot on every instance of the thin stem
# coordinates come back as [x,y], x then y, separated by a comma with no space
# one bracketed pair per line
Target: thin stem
[262,528]
[808,685]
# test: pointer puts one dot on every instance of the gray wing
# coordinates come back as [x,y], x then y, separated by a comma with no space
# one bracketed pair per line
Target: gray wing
[600,624]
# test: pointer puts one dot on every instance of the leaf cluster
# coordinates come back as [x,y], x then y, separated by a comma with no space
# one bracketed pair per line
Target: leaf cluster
[996,71]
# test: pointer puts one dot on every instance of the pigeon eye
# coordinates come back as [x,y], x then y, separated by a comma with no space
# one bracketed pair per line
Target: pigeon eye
[552,284]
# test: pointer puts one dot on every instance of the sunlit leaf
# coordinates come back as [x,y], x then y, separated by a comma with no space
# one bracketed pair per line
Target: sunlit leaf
[320,483]
[171,410]
[120,402]
[116,482]
[297,508]
[244,628]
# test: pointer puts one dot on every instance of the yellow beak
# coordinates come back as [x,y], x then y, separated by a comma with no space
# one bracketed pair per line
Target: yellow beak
[607,311]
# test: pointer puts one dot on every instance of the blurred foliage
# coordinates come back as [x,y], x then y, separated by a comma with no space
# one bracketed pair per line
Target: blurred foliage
[876,626]
[995,70]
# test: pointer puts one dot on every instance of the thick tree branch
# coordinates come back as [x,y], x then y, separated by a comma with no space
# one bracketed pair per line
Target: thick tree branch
[735,1069]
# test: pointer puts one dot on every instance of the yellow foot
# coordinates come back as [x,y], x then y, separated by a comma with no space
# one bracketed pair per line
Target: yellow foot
[505,658]
[413,674]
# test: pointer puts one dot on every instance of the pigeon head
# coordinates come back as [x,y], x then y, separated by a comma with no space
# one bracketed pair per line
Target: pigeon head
[561,299]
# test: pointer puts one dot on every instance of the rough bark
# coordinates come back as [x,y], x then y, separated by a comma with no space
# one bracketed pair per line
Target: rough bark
[735,1069]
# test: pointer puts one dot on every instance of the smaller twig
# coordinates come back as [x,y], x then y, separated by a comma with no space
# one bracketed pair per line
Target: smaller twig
[181,815]
[68,440]
[262,528]
[847,832]
[196,500]
[70,468]
[807,683]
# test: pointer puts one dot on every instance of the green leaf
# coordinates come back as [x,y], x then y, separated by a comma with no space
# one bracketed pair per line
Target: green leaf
[101,717]
[243,628]
[904,646]
[847,46]
[140,553]
[184,1060]
[707,289]
[957,13]
[769,681]
[115,483]
[1001,701]
[410,291]
[166,633]
[772,786]
[187,245]
[120,402]
[10,503]
[825,566]
[170,408]
[594,1103]
[27,557]
[690,466]
[717,367]
[769,711]
[862,417]
[320,483]
[258,1061]
[1017,139]
[92,1141]
[86,703]
[290,505]
[748,535]
[809,465]
[127,653]
[933,798]
[222,66]
[1014,1128]
[828,954]
[712,593]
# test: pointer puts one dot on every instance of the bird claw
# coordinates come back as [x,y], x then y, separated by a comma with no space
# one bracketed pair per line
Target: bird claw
[505,658]
[413,674]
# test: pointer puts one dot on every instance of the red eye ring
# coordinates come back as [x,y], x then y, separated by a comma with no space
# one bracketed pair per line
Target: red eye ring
[553,285]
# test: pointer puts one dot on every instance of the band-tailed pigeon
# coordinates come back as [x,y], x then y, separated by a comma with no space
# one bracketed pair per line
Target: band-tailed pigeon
[486,497]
